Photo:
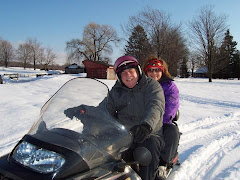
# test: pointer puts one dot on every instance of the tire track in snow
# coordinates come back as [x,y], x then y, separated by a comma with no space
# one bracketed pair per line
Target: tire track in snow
[210,127]
[7,147]
[203,163]
[199,100]
[212,140]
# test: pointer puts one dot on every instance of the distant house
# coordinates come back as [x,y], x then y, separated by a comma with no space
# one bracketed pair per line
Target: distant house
[100,70]
[201,72]
[73,69]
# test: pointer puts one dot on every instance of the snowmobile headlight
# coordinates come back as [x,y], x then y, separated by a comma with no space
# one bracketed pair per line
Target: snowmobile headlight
[39,159]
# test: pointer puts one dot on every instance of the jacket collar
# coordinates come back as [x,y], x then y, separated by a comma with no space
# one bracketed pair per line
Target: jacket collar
[165,78]
[141,82]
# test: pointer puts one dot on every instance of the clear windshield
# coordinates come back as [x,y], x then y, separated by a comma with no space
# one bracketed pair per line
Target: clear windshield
[100,137]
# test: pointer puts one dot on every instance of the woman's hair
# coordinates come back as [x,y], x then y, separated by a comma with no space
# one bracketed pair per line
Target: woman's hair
[165,66]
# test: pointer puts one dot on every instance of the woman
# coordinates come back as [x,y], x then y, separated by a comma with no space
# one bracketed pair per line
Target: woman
[157,69]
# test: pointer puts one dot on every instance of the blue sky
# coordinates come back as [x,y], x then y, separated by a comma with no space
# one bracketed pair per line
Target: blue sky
[53,22]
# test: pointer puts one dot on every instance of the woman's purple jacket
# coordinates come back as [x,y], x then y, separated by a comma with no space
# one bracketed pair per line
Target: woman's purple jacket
[171,94]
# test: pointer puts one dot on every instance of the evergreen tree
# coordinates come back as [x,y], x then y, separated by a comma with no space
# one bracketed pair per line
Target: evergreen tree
[184,69]
[226,58]
[236,65]
[138,44]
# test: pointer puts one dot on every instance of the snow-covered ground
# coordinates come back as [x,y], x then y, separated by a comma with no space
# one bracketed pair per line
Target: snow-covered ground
[209,120]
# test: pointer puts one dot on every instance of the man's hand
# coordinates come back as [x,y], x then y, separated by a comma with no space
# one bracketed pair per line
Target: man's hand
[75,111]
[141,132]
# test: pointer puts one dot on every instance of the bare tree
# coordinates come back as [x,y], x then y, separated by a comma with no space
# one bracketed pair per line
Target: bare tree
[166,39]
[49,57]
[95,45]
[35,50]
[42,58]
[207,30]
[7,52]
[24,54]
[195,61]
[155,23]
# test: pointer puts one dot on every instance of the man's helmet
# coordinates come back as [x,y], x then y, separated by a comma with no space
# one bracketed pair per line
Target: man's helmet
[126,62]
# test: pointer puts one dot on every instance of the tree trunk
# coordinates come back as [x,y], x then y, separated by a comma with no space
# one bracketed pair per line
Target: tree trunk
[1,81]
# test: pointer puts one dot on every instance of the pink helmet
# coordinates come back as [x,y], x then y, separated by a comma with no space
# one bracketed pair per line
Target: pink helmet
[126,62]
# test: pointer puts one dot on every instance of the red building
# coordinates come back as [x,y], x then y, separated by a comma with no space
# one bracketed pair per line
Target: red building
[100,70]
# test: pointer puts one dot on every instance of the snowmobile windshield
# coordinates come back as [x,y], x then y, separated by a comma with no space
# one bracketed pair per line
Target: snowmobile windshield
[77,110]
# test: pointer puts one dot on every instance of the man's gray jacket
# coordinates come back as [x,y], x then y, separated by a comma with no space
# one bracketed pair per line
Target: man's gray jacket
[145,103]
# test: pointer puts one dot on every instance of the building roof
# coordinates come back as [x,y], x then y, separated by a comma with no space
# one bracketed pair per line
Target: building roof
[99,62]
[201,70]
[73,66]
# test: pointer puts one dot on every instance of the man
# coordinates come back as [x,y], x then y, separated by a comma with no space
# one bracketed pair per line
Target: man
[138,103]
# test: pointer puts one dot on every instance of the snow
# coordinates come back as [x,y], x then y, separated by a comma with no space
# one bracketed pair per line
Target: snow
[209,120]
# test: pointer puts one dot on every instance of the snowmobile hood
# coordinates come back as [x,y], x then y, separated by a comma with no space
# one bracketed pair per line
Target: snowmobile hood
[96,136]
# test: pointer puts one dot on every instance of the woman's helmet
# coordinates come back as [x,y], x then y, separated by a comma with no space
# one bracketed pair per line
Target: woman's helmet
[126,62]
[154,63]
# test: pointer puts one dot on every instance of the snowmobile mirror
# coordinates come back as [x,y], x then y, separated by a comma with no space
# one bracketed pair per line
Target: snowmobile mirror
[142,155]
[176,116]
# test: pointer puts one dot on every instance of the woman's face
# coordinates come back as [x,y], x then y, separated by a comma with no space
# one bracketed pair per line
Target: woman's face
[154,73]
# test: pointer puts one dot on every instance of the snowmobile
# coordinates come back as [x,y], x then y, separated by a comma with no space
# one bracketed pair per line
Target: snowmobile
[88,146]
[58,147]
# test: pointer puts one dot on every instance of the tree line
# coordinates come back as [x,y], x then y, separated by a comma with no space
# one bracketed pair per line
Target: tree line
[28,54]
[208,43]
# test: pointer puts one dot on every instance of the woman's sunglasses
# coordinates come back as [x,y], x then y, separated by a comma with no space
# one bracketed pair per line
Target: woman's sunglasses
[156,70]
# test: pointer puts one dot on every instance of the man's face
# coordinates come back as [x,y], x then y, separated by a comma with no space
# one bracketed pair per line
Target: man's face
[129,77]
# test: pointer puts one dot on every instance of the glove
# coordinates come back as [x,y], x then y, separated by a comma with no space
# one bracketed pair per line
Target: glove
[141,132]
[75,111]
